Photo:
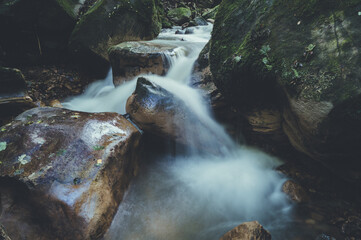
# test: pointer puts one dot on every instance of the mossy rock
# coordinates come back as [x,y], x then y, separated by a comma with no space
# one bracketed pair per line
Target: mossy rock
[34,30]
[303,54]
[180,15]
[110,22]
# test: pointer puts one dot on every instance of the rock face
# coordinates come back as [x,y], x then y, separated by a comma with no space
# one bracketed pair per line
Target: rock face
[180,15]
[295,191]
[303,59]
[32,30]
[110,22]
[63,174]
[247,231]
[129,59]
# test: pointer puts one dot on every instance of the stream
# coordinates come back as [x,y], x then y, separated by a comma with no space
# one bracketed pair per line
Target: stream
[191,194]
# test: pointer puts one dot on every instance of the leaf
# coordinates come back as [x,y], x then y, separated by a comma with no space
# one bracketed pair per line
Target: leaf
[296,73]
[265,60]
[310,47]
[99,162]
[2,146]
[24,159]
[265,49]
[60,152]
[3,129]
[19,171]
[97,148]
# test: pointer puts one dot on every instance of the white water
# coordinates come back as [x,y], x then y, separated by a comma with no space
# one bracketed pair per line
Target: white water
[192,195]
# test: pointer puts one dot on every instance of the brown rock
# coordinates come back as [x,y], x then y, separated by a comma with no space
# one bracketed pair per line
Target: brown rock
[52,183]
[247,231]
[129,59]
[295,191]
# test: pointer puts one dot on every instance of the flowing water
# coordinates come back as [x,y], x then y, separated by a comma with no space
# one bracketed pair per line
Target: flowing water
[191,195]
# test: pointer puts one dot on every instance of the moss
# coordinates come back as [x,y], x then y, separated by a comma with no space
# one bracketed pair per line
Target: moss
[110,22]
[180,15]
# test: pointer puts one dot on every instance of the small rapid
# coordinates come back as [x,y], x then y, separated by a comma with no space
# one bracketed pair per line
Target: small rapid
[193,194]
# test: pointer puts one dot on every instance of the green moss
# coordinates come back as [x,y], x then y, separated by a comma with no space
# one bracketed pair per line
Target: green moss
[180,15]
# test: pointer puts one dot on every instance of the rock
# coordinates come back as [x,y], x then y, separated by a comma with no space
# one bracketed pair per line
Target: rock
[200,21]
[12,82]
[247,231]
[55,103]
[180,15]
[35,30]
[129,59]
[265,121]
[110,22]
[64,173]
[180,32]
[156,110]
[352,227]
[295,191]
[189,31]
[3,234]
[303,63]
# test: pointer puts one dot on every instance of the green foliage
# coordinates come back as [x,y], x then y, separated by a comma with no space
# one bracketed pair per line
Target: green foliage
[97,148]
[2,146]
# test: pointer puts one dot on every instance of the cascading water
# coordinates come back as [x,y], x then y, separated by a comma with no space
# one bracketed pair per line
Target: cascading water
[193,195]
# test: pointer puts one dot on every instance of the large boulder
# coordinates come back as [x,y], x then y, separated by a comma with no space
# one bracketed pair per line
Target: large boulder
[130,59]
[247,231]
[164,113]
[35,30]
[302,58]
[63,173]
[180,15]
[110,22]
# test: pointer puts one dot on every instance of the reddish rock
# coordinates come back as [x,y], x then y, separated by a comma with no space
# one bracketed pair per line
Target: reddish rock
[247,231]
[129,59]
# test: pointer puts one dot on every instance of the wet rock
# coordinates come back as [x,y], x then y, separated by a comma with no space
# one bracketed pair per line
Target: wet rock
[210,20]
[324,237]
[3,234]
[35,30]
[179,32]
[189,31]
[180,15]
[307,71]
[162,113]
[129,59]
[247,231]
[111,22]
[200,21]
[55,103]
[64,173]
[295,191]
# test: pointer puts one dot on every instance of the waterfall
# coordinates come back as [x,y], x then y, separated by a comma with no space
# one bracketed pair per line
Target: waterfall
[194,195]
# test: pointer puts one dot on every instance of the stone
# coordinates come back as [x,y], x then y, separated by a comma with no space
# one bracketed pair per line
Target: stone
[303,64]
[52,183]
[189,31]
[35,30]
[158,111]
[179,15]
[247,231]
[211,13]
[130,59]
[110,22]
[295,191]
[200,21]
